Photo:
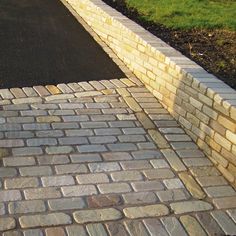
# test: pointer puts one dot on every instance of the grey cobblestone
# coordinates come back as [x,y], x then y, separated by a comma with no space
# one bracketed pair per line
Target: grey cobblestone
[82,132]
[135,165]
[147,186]
[116,229]
[146,154]
[10,127]
[6,94]
[8,113]
[135,227]
[29,92]
[91,148]
[96,229]
[77,118]
[211,181]
[97,105]
[7,223]
[220,191]
[66,204]
[36,142]
[108,131]
[116,156]
[19,134]
[49,133]
[132,138]
[104,167]
[137,198]
[102,117]
[114,188]
[93,125]
[173,226]
[57,180]
[126,176]
[35,170]
[102,139]
[146,146]
[52,159]
[155,227]
[119,147]
[27,100]
[33,232]
[192,162]
[23,207]
[70,168]
[21,183]
[11,143]
[51,219]
[160,163]
[183,145]
[80,158]
[72,140]
[59,150]
[92,178]
[63,125]
[19,120]
[61,113]
[172,195]
[65,106]
[42,193]
[10,195]
[77,191]
[7,172]
[121,124]
[88,111]
[75,230]
[18,107]
[159,174]
[86,216]
[2,209]
[173,183]
[209,224]
[226,224]
[35,126]
[232,214]
[18,161]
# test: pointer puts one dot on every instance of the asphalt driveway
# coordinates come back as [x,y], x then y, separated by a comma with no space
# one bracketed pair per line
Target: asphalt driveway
[42,43]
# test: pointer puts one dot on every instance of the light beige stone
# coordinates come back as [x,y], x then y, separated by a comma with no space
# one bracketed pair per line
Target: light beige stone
[146,211]
[145,121]
[85,216]
[132,104]
[192,226]
[158,138]
[51,219]
[192,186]
[7,223]
[190,206]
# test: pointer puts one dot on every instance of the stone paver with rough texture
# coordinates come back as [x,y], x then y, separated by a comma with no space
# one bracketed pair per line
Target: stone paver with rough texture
[104,160]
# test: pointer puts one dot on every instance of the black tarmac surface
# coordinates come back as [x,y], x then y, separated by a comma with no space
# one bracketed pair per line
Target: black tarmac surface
[42,43]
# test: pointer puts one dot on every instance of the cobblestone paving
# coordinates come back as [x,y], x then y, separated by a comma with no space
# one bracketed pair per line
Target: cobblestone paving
[104,158]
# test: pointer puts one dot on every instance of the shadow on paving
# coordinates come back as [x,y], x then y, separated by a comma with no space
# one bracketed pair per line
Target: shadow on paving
[42,43]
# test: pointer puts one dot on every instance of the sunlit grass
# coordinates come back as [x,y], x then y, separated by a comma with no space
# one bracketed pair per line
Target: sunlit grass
[187,14]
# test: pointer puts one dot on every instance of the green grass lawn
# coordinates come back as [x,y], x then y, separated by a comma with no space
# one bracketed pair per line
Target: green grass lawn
[187,14]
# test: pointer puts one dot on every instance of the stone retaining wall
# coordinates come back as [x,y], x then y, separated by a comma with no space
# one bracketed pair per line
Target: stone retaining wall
[203,105]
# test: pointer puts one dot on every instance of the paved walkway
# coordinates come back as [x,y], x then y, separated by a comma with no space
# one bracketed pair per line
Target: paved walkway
[104,158]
